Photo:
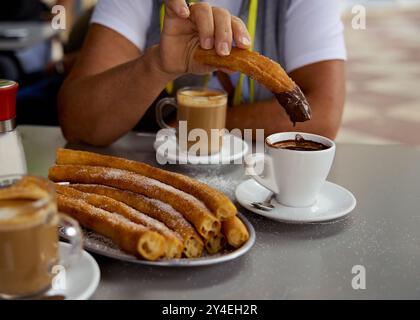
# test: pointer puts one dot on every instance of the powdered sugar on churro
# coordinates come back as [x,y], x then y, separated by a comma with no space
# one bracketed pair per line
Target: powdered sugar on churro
[152,207]
[120,208]
[215,201]
[65,202]
[150,186]
[178,219]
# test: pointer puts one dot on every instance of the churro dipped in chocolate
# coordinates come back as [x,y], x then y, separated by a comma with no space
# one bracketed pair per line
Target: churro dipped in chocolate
[267,72]
[217,202]
[174,246]
[193,245]
[192,209]
[235,232]
[129,236]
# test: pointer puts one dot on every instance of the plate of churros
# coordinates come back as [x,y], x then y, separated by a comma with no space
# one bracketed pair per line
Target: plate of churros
[138,213]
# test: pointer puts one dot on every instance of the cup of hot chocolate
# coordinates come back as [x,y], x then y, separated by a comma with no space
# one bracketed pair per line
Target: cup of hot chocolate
[29,222]
[294,166]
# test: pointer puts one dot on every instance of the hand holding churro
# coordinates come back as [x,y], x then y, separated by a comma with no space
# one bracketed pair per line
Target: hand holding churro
[265,71]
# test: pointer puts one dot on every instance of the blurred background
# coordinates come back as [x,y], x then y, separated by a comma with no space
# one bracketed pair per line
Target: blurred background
[383,102]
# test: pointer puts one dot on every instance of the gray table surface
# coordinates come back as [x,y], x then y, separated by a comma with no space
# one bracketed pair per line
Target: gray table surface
[37,32]
[287,261]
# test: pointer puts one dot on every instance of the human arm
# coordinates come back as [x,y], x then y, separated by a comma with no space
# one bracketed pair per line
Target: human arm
[113,83]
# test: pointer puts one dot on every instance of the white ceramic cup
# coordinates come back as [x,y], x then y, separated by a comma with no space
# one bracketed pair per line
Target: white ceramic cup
[295,177]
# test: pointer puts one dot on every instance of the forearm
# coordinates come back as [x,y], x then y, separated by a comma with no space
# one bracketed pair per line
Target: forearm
[270,116]
[101,108]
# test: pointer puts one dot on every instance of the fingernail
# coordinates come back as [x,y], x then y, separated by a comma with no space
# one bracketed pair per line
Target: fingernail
[224,49]
[246,41]
[208,43]
[184,12]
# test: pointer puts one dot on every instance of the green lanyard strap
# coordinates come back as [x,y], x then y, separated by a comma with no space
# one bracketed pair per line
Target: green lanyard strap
[252,27]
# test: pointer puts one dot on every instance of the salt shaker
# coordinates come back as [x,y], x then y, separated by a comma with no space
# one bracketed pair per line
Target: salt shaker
[12,156]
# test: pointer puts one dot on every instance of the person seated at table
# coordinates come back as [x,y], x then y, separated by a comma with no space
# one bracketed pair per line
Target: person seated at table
[127,62]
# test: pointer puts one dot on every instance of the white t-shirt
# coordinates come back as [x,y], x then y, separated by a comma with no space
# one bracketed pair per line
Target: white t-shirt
[314,31]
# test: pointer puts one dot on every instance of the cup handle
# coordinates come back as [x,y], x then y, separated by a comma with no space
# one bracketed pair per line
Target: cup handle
[71,231]
[159,111]
[257,159]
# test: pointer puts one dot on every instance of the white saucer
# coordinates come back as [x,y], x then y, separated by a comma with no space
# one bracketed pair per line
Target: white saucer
[334,202]
[233,149]
[82,277]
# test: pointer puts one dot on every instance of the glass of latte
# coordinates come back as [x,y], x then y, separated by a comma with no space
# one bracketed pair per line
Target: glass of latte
[29,237]
[201,119]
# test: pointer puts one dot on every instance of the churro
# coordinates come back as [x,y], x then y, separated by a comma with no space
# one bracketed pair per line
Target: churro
[193,210]
[193,245]
[235,232]
[217,202]
[267,72]
[215,244]
[174,246]
[129,236]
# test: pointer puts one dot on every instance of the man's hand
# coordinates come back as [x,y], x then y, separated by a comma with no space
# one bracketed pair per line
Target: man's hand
[200,24]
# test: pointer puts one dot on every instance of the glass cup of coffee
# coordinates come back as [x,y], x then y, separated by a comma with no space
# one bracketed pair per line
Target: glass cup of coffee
[29,251]
[294,166]
[201,119]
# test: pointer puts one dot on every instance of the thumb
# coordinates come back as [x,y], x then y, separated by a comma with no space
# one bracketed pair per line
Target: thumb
[177,8]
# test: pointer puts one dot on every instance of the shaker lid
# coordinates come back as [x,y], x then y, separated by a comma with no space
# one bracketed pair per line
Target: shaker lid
[8,91]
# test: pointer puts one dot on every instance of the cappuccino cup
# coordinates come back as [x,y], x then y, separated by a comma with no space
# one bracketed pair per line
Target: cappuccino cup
[29,241]
[294,166]
[201,119]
